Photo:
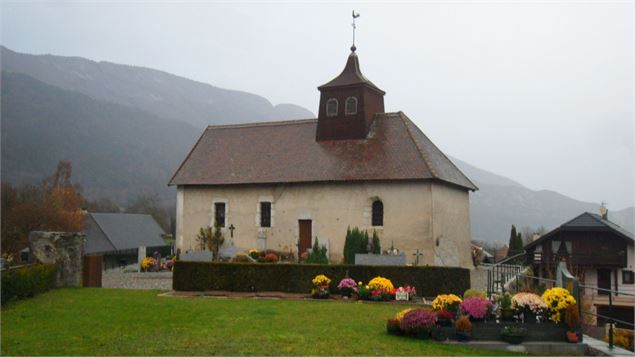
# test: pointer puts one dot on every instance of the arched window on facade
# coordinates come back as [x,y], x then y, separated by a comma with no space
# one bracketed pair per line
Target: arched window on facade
[351,106]
[378,213]
[331,107]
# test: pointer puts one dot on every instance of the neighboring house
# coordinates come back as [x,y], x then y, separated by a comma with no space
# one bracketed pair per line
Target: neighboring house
[481,256]
[501,253]
[598,252]
[281,185]
[118,236]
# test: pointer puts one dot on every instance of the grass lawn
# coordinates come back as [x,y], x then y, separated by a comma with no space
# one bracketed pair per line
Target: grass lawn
[135,322]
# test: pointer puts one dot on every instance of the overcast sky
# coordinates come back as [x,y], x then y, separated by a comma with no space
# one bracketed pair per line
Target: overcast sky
[540,92]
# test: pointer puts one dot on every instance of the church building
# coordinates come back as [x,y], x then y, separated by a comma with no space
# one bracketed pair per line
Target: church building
[281,185]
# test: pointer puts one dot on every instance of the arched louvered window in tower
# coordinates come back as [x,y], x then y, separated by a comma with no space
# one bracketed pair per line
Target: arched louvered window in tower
[351,106]
[331,107]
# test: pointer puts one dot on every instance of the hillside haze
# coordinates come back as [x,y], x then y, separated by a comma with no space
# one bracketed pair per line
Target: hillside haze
[126,129]
[501,202]
[116,151]
[156,92]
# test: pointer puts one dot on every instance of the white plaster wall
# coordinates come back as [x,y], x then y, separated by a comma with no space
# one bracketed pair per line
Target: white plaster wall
[408,216]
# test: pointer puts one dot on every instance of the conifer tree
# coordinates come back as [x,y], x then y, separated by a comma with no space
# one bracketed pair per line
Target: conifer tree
[376,243]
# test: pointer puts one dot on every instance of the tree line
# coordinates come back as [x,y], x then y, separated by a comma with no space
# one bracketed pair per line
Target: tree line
[57,204]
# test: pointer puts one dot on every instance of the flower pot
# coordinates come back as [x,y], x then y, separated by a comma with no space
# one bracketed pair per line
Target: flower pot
[462,336]
[444,322]
[529,317]
[507,314]
[439,335]
[513,339]
[572,337]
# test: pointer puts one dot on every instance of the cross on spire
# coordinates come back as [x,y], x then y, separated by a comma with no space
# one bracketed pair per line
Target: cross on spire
[353,48]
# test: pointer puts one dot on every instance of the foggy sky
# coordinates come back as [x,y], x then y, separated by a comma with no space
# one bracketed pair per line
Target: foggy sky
[539,92]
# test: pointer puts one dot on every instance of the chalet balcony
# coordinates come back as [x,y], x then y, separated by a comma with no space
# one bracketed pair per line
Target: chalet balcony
[598,260]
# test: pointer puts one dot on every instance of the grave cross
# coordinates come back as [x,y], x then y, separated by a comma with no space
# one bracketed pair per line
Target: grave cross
[417,255]
[231,230]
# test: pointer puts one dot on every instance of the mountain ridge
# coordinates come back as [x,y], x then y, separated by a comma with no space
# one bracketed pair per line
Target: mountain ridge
[154,91]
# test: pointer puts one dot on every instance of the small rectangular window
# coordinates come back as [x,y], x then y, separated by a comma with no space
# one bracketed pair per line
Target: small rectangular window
[628,277]
[219,214]
[265,214]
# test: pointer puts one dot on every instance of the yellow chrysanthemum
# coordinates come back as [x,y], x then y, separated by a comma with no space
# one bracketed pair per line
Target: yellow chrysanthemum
[321,280]
[381,283]
[557,300]
[446,301]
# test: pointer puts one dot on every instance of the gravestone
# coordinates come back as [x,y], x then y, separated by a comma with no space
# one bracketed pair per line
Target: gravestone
[261,241]
[380,259]
[157,257]
[65,249]
[141,255]
[197,256]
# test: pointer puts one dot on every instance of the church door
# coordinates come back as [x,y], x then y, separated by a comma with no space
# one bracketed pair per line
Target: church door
[305,236]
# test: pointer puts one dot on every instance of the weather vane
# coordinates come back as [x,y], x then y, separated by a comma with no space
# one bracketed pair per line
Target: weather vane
[353,48]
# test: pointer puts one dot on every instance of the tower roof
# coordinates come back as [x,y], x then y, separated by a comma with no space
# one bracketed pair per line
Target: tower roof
[351,75]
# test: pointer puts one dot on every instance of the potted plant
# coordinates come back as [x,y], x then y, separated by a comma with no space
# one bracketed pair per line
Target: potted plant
[557,300]
[476,307]
[347,287]
[572,319]
[321,287]
[448,302]
[418,323]
[463,329]
[444,318]
[513,334]
[529,305]
[505,302]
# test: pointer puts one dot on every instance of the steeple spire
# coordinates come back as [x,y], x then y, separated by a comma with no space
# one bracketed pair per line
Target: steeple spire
[353,48]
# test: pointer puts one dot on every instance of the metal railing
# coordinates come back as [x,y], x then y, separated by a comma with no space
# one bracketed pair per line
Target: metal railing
[575,286]
[500,274]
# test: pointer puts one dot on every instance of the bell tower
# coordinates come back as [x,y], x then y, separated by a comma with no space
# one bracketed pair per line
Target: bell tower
[349,102]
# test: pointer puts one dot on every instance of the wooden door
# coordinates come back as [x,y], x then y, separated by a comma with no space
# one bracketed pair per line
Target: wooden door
[604,280]
[93,265]
[304,242]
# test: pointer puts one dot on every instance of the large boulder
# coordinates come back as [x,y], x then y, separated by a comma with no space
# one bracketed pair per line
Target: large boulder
[65,249]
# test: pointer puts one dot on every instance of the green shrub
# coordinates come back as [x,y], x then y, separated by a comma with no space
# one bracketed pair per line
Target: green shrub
[356,242]
[474,293]
[27,281]
[376,243]
[296,278]
[317,255]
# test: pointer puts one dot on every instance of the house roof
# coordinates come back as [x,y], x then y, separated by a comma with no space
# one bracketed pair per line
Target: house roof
[351,75]
[586,221]
[121,231]
[287,152]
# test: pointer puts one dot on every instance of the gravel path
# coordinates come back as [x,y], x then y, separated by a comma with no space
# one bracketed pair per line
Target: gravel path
[116,278]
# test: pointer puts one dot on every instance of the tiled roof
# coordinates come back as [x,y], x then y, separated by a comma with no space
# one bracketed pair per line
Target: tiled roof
[124,231]
[287,152]
[588,221]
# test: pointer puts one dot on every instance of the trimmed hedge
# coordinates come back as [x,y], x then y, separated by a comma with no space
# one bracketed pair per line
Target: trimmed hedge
[27,281]
[296,278]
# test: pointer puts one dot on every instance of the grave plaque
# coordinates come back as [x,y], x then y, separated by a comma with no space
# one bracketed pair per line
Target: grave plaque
[401,296]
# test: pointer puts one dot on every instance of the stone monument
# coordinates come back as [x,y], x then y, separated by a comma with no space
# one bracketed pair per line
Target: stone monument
[65,249]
